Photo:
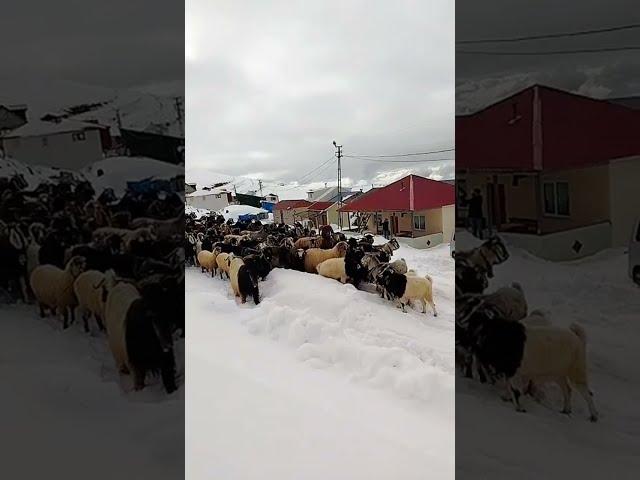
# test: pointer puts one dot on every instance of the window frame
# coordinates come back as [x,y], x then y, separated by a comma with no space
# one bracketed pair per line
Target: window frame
[424,222]
[555,199]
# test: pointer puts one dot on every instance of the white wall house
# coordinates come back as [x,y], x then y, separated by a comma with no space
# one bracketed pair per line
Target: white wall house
[66,144]
[211,199]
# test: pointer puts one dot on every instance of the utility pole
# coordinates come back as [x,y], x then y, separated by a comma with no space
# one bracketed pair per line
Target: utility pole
[339,155]
[178,101]
[260,185]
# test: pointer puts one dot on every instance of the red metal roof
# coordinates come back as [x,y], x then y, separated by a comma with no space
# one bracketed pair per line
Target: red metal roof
[320,206]
[287,204]
[542,128]
[408,194]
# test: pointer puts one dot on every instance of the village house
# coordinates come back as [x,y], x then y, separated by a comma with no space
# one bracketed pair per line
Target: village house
[291,211]
[67,144]
[418,208]
[12,117]
[554,169]
[210,198]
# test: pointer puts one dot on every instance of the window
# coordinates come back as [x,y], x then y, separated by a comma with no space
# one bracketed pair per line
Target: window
[556,198]
[419,222]
[78,137]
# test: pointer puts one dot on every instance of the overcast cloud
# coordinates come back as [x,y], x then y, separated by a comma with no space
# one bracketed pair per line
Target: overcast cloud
[69,50]
[481,80]
[271,84]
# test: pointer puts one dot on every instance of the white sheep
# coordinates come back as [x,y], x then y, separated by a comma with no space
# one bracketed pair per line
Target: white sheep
[537,318]
[559,354]
[234,264]
[399,266]
[223,260]
[333,268]
[419,288]
[53,287]
[510,302]
[89,288]
[207,260]
[120,297]
[315,256]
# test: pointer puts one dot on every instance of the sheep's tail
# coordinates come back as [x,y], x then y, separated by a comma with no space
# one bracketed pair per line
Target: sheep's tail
[579,331]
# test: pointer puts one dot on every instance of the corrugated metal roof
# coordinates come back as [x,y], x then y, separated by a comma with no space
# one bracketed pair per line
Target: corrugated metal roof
[320,206]
[410,193]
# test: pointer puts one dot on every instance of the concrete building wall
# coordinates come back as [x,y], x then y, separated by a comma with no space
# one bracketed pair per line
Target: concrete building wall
[290,216]
[448,222]
[214,201]
[624,184]
[588,198]
[63,150]
[559,246]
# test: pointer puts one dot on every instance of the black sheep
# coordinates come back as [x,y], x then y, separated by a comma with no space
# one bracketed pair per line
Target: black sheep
[248,282]
[356,272]
[149,339]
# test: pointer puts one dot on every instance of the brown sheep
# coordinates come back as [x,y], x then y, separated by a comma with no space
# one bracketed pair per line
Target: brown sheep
[315,256]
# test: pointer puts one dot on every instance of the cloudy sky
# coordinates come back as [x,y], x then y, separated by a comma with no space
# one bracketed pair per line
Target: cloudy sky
[271,84]
[483,79]
[74,50]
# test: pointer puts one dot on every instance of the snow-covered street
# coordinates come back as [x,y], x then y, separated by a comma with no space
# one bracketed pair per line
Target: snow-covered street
[492,437]
[320,380]
[63,385]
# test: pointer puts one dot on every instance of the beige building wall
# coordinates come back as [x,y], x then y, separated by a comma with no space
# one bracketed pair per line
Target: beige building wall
[588,198]
[289,217]
[623,185]
[448,222]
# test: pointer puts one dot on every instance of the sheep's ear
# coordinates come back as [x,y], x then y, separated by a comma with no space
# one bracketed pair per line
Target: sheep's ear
[16,239]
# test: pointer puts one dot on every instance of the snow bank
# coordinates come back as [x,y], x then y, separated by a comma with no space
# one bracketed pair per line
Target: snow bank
[330,376]
[235,211]
[115,172]
[199,212]
[64,385]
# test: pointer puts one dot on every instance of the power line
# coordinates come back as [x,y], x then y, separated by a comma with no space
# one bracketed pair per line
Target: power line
[403,161]
[551,35]
[548,52]
[400,154]
[316,168]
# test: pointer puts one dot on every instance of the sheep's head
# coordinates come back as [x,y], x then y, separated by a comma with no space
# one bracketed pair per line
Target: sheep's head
[76,265]
[341,248]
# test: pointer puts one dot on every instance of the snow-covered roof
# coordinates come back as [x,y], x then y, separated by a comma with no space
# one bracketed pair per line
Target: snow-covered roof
[39,128]
[117,171]
[212,191]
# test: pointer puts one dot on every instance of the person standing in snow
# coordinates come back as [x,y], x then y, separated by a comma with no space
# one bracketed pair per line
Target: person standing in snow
[476,219]
[385,229]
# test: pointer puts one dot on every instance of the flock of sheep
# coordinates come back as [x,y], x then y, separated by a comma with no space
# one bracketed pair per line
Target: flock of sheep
[499,341]
[245,252]
[117,261]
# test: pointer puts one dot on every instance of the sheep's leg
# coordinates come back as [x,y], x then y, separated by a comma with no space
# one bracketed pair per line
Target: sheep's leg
[138,379]
[433,307]
[228,277]
[213,273]
[243,298]
[43,313]
[566,395]
[515,397]
[85,321]
[424,306]
[588,397]
[99,322]
[201,269]
[65,318]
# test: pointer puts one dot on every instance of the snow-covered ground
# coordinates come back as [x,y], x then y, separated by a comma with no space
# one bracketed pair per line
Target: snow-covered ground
[64,409]
[320,380]
[542,443]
